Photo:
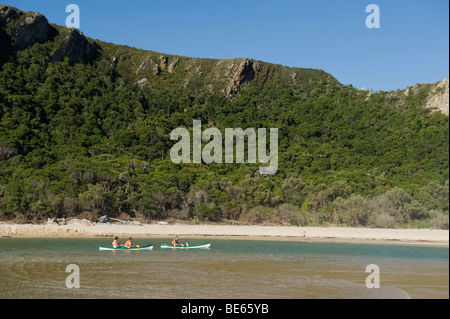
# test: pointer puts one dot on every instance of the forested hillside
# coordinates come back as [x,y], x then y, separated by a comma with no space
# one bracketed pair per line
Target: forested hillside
[85,128]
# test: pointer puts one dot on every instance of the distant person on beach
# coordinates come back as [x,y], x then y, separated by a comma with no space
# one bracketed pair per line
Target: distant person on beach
[303,235]
[175,242]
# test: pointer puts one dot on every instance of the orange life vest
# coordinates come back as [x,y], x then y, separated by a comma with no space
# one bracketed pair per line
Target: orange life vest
[115,243]
[128,243]
[175,242]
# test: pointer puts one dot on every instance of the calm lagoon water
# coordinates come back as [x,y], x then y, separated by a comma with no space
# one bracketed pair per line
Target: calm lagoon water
[36,268]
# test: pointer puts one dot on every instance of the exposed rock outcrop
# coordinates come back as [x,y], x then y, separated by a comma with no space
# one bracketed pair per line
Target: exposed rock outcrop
[115,60]
[144,64]
[77,48]
[148,62]
[173,65]
[163,61]
[142,82]
[294,76]
[439,97]
[244,73]
[240,73]
[436,99]
[8,14]
[25,28]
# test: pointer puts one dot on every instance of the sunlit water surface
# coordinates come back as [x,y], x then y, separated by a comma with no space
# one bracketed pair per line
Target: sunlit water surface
[36,268]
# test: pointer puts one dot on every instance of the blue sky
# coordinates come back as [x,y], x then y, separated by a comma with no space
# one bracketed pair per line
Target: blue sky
[411,46]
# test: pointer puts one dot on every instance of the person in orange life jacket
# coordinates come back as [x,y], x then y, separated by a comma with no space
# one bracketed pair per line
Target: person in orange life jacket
[175,242]
[115,243]
[128,243]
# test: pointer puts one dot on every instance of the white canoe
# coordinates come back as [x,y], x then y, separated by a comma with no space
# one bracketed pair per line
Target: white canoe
[186,246]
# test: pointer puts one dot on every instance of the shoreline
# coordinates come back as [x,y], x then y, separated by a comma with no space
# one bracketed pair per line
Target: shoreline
[426,237]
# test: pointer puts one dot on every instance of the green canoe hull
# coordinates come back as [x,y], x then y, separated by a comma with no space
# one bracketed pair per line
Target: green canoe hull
[146,247]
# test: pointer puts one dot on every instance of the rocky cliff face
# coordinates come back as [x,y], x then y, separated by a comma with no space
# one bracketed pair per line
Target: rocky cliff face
[77,48]
[438,99]
[238,74]
[23,29]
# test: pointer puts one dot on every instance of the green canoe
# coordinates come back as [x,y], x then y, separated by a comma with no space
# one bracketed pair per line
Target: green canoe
[146,247]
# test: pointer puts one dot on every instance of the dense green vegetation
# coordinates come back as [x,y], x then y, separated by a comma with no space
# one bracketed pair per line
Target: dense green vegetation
[85,138]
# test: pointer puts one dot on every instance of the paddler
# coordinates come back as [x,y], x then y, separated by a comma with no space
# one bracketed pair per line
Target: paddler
[175,242]
[115,243]
[128,243]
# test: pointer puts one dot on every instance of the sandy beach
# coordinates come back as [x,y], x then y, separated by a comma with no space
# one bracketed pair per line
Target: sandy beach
[344,234]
